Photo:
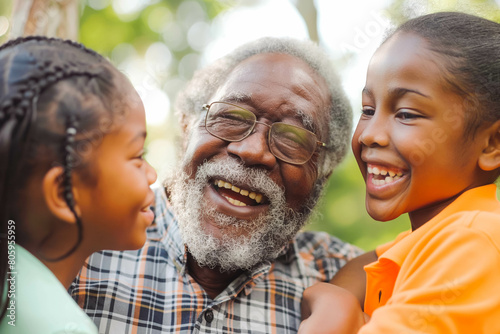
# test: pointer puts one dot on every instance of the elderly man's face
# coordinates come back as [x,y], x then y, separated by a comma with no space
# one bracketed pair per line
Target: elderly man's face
[227,175]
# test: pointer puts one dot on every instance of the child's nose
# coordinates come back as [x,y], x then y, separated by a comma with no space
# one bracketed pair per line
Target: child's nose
[254,150]
[151,175]
[375,132]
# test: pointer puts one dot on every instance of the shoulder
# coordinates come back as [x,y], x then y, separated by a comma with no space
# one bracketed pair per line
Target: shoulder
[474,226]
[164,216]
[44,305]
[467,227]
[322,244]
[321,255]
[469,239]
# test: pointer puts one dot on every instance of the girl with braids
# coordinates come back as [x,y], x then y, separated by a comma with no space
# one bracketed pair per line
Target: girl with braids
[73,180]
[427,144]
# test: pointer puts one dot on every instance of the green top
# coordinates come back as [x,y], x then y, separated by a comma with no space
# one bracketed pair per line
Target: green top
[41,304]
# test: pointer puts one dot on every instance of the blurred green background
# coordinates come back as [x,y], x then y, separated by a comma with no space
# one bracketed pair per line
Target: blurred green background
[159,45]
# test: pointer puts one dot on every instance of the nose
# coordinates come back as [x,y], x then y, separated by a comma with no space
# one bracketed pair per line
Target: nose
[254,150]
[373,131]
[151,175]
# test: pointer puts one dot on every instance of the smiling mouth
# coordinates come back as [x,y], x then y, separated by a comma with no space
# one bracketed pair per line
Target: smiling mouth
[238,196]
[383,175]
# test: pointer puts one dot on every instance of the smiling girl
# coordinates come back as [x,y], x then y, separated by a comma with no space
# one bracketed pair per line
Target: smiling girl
[428,144]
[73,180]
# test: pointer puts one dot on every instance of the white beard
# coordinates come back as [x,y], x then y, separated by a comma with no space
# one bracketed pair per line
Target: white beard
[256,241]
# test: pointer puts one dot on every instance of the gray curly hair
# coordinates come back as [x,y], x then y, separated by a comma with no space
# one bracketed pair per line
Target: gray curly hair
[205,83]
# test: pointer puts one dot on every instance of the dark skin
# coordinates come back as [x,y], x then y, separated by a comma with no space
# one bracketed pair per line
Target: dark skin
[49,227]
[406,104]
[345,293]
[274,87]
[352,276]
[212,280]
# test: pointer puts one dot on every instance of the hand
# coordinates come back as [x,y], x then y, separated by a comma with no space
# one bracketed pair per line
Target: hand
[327,308]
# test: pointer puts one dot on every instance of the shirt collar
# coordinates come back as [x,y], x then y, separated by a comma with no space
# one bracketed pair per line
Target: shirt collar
[481,198]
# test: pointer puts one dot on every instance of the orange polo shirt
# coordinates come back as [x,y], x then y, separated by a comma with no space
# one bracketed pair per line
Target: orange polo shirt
[445,276]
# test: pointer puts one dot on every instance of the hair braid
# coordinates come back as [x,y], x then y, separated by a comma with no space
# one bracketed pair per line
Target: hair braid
[30,67]
[69,163]
[22,40]
[18,114]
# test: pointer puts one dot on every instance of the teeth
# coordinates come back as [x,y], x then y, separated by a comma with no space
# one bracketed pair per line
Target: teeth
[258,198]
[390,176]
[234,201]
[255,196]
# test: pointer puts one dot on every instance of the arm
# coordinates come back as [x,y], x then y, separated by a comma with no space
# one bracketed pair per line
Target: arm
[337,304]
[352,276]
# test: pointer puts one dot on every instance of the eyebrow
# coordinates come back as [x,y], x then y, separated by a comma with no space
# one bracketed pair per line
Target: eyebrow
[398,92]
[306,120]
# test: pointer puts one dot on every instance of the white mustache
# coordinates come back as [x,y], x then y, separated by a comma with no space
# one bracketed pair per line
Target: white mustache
[234,171]
[250,241]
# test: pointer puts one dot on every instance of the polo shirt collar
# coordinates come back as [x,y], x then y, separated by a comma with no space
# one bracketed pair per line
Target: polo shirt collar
[481,198]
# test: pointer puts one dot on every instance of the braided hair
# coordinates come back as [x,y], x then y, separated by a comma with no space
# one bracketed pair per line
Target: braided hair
[52,93]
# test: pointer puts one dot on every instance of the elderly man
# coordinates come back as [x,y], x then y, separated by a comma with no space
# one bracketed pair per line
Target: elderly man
[263,129]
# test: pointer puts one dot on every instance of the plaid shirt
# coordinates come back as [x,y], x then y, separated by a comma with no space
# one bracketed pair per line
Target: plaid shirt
[151,291]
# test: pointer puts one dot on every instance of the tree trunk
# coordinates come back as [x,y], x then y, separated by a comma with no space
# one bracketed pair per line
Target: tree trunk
[308,11]
[52,18]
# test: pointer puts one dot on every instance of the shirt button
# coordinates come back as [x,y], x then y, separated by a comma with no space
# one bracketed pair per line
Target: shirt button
[209,316]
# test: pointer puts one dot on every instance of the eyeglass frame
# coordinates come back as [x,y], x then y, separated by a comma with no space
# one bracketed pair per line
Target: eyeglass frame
[319,144]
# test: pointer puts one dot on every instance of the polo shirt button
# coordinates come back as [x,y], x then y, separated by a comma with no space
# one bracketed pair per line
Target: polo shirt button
[209,316]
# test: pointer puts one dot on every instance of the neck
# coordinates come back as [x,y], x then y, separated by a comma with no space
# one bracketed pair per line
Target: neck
[213,281]
[66,269]
[56,242]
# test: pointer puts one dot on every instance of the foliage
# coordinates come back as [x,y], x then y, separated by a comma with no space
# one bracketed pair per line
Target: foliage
[122,34]
[5,10]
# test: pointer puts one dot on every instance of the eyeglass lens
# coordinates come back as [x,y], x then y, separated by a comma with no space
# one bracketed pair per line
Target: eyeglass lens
[287,142]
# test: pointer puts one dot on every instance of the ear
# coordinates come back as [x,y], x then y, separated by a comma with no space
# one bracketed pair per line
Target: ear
[54,195]
[490,157]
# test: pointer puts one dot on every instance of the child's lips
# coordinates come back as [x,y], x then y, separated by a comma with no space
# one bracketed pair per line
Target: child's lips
[147,210]
[148,213]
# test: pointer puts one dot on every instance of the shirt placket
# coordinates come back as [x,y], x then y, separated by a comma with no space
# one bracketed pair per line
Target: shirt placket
[213,317]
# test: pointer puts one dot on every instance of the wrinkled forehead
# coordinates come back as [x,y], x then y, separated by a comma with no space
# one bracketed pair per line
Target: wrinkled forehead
[281,84]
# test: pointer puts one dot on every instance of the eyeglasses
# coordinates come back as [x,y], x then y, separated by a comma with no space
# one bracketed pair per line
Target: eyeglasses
[286,142]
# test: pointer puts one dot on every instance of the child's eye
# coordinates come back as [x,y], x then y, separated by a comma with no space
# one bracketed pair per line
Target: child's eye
[141,155]
[368,111]
[406,115]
